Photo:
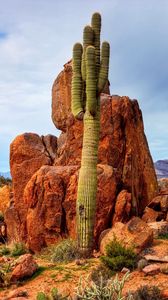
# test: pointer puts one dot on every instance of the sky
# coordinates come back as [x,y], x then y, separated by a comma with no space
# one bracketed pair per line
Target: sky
[36,40]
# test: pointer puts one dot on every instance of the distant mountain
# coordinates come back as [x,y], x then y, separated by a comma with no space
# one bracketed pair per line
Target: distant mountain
[5,174]
[161,167]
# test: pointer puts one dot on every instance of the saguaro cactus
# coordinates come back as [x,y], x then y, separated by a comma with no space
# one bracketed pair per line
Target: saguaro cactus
[90,74]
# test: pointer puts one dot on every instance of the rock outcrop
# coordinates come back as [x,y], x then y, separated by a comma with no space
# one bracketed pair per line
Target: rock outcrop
[45,170]
[136,233]
[28,152]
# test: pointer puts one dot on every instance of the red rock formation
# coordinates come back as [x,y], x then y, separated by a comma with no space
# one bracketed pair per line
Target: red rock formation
[28,153]
[46,212]
[136,233]
[51,199]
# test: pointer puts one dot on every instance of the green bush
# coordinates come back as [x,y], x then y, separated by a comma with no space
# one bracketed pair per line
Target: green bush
[100,271]
[147,292]
[65,251]
[41,296]
[18,249]
[4,250]
[54,295]
[111,290]
[118,257]
[163,236]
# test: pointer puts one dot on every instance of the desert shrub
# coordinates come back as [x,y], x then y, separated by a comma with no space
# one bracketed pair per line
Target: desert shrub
[65,251]
[18,249]
[111,290]
[163,236]
[147,292]
[118,257]
[100,271]
[41,296]
[4,250]
[54,295]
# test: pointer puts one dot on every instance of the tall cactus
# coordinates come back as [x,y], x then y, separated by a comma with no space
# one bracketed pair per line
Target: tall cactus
[90,74]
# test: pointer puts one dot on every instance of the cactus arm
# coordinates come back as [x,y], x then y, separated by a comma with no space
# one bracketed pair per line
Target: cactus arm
[96,25]
[88,37]
[91,104]
[76,104]
[104,67]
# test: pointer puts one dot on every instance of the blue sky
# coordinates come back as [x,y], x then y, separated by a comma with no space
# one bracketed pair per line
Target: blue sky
[36,39]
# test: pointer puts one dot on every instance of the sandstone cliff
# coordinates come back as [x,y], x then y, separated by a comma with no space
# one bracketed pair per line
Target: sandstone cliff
[45,170]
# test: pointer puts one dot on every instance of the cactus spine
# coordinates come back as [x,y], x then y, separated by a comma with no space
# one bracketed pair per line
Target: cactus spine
[90,74]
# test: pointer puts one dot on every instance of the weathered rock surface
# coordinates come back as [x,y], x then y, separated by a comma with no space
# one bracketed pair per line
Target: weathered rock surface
[51,199]
[123,206]
[25,267]
[5,195]
[43,208]
[135,233]
[151,269]
[150,215]
[159,228]
[27,154]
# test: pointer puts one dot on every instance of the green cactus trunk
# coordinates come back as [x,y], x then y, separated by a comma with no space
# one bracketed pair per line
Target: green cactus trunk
[87,185]
[89,78]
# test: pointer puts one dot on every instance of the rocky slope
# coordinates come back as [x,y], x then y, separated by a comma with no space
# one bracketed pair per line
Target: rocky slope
[161,167]
[45,170]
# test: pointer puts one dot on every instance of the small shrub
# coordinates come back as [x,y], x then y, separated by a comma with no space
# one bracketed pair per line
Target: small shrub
[147,292]
[41,296]
[111,290]
[4,251]
[118,257]
[65,251]
[163,236]
[100,270]
[18,249]
[54,295]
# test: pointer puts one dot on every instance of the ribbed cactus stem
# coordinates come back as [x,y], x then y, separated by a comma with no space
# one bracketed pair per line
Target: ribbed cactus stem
[96,25]
[76,104]
[91,104]
[104,66]
[88,37]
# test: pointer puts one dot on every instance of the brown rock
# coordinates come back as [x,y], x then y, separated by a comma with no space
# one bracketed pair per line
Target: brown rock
[150,215]
[17,294]
[159,228]
[152,257]
[61,97]
[25,267]
[135,233]
[121,131]
[5,193]
[27,154]
[44,203]
[163,184]
[159,203]
[122,209]
[51,199]
[151,269]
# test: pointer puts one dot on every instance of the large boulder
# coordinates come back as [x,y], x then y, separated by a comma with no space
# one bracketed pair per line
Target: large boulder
[135,234]
[28,152]
[25,267]
[45,170]
[51,199]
